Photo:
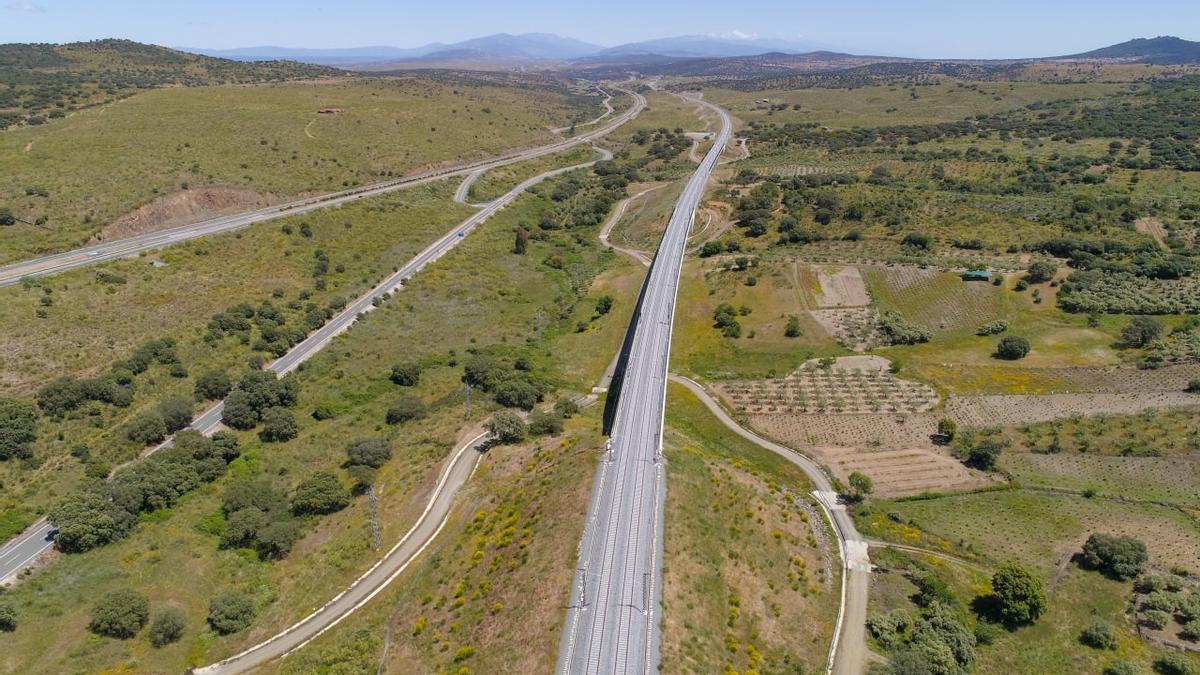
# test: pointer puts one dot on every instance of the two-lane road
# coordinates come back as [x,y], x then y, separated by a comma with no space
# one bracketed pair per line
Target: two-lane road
[23,550]
[612,623]
[120,248]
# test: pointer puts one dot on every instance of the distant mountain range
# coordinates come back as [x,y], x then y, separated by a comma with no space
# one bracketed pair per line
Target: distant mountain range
[682,55]
[526,46]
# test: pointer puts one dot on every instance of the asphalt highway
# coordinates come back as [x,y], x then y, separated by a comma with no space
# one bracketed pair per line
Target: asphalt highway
[27,547]
[120,248]
[612,622]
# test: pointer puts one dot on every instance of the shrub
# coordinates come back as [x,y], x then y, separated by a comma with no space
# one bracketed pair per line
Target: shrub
[212,385]
[1121,668]
[86,519]
[1156,618]
[1041,271]
[792,329]
[406,374]
[167,627]
[1012,347]
[1020,597]
[993,328]
[18,429]
[986,633]
[604,305]
[146,428]
[176,413]
[1117,556]
[120,614]
[8,618]
[1175,663]
[900,331]
[983,456]
[947,428]
[545,424]
[917,240]
[321,492]
[230,612]
[506,427]
[1161,601]
[279,424]
[1100,634]
[725,319]
[406,408]
[1191,630]
[1193,386]
[372,452]
[1141,331]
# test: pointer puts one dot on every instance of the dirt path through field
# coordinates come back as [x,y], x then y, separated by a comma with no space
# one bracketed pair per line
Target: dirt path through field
[28,146]
[1153,227]
[309,126]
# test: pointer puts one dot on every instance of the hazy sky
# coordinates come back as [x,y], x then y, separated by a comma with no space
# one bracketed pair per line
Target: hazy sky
[922,28]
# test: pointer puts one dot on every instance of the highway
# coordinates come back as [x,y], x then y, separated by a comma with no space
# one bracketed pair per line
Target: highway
[612,623]
[120,248]
[25,549]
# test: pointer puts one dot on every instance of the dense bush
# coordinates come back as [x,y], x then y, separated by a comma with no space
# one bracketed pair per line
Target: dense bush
[212,385]
[254,394]
[1099,634]
[1120,557]
[725,320]
[406,408]
[545,424]
[406,374]
[8,618]
[230,612]
[900,331]
[372,452]
[257,516]
[167,627]
[99,513]
[120,614]
[321,492]
[1019,594]
[1041,271]
[1141,331]
[18,429]
[146,428]
[1012,347]
[993,328]
[176,413]
[279,425]
[506,427]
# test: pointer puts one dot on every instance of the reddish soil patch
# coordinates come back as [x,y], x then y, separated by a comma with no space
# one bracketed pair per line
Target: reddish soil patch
[186,207]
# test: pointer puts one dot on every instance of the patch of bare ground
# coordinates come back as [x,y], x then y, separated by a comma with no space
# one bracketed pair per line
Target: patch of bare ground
[856,328]
[841,287]
[1117,380]
[905,472]
[1153,227]
[990,411]
[184,207]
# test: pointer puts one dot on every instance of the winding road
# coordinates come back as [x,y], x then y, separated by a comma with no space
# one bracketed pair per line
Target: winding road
[26,548]
[120,248]
[847,654]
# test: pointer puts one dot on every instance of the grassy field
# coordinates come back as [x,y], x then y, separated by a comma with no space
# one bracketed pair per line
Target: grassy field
[1036,528]
[896,104]
[496,298]
[1076,597]
[646,217]
[779,292]
[496,182]
[749,577]
[79,336]
[98,164]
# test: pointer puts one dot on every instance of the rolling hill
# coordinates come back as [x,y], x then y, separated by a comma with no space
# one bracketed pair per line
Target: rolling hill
[45,80]
[1163,50]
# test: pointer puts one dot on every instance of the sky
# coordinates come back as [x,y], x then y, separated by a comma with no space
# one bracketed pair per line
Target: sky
[917,28]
